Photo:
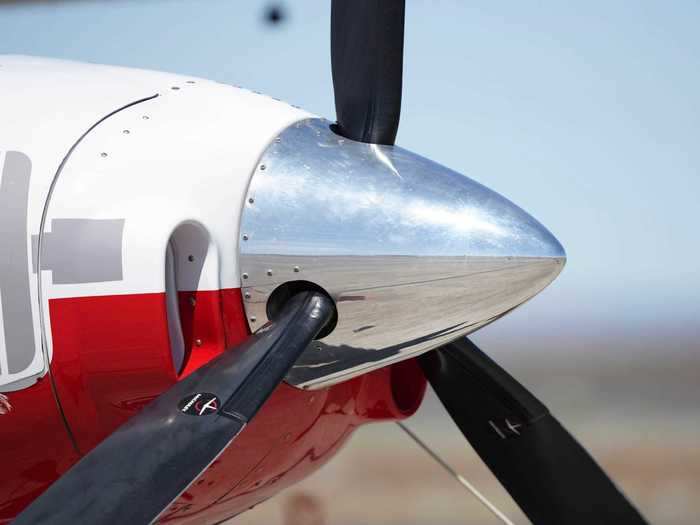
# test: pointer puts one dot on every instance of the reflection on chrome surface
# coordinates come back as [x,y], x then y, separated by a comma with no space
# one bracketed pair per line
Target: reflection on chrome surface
[414,254]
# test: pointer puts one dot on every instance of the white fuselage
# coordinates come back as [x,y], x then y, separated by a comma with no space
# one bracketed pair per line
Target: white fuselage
[130,154]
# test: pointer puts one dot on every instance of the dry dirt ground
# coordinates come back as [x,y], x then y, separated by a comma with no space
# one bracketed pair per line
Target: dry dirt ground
[641,421]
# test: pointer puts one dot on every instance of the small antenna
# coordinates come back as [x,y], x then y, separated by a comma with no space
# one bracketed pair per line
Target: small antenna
[456,475]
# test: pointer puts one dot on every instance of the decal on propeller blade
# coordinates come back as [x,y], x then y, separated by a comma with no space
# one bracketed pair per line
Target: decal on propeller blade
[201,404]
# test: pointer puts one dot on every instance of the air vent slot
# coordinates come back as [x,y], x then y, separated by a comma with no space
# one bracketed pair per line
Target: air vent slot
[191,266]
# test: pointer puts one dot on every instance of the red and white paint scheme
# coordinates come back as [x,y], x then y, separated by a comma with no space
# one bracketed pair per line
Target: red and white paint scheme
[135,186]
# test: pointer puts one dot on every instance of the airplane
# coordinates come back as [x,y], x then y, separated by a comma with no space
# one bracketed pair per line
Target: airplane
[204,292]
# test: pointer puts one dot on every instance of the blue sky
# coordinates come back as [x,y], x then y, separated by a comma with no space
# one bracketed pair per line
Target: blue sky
[585,114]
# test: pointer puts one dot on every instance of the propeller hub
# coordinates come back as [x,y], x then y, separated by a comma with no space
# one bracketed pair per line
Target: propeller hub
[414,254]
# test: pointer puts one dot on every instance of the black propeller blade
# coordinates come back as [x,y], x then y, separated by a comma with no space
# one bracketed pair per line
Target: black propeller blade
[546,471]
[367,61]
[139,470]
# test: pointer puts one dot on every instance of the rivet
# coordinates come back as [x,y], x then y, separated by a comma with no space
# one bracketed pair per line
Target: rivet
[245,275]
[198,342]
[245,236]
[251,200]
[145,117]
[103,154]
[126,132]
[174,88]
[269,272]
[296,269]
[190,258]
[262,167]
[246,295]
[191,82]
[253,319]
[319,347]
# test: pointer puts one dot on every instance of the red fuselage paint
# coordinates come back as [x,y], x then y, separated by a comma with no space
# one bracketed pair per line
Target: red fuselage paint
[111,356]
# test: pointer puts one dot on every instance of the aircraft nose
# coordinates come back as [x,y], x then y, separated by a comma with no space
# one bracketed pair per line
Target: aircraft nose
[414,254]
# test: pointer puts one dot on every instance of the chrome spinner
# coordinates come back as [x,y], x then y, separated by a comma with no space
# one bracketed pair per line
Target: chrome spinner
[414,254]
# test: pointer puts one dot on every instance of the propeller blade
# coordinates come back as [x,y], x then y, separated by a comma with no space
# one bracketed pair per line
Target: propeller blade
[546,471]
[140,469]
[367,63]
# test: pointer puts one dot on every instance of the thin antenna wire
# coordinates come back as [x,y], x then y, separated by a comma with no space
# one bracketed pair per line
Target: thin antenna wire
[486,503]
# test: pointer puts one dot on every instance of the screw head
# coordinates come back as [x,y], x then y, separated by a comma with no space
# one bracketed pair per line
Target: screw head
[296,269]
[245,275]
[126,132]
[175,88]
[190,258]
[198,342]
[103,154]
[263,167]
[193,301]
[245,237]
[253,319]
[269,272]
[247,295]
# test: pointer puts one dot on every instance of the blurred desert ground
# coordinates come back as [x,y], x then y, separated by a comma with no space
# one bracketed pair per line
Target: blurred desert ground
[638,416]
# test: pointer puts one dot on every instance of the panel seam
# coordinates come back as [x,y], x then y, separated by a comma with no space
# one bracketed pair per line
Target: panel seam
[42,225]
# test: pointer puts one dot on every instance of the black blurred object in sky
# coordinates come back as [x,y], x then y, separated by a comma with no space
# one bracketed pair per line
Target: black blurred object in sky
[275,14]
